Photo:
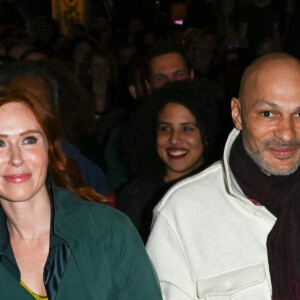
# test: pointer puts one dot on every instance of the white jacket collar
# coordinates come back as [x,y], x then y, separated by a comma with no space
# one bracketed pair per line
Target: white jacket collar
[231,183]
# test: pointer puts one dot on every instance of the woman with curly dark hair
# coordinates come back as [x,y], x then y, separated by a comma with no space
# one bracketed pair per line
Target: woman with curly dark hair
[172,135]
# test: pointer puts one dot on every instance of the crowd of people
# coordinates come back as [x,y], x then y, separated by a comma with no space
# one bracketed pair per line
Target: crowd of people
[112,139]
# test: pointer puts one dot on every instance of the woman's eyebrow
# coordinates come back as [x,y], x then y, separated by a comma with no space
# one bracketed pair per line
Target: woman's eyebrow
[31,131]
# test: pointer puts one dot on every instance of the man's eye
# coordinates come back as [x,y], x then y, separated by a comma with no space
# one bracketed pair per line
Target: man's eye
[160,78]
[267,114]
[181,74]
[2,144]
[30,140]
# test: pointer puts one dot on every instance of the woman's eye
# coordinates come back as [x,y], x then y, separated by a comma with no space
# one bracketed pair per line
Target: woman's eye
[2,144]
[188,129]
[164,128]
[30,140]
[267,114]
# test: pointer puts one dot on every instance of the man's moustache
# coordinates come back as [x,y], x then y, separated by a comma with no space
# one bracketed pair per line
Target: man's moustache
[281,144]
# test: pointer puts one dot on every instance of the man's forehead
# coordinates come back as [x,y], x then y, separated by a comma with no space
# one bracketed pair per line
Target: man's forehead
[172,59]
[272,73]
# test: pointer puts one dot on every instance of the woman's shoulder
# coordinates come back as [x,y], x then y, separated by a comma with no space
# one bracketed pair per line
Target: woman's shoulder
[80,219]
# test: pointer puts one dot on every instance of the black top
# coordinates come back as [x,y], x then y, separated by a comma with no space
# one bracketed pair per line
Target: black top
[139,197]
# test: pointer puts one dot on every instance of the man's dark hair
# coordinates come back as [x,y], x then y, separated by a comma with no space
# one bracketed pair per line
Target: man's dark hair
[162,48]
[199,96]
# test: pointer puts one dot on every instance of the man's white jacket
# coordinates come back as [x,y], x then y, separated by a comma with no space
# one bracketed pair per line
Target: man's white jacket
[208,241]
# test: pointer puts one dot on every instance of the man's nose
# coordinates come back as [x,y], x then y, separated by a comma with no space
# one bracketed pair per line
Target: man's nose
[285,129]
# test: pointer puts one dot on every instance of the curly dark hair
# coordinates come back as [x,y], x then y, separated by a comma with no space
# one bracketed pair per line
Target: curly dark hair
[199,96]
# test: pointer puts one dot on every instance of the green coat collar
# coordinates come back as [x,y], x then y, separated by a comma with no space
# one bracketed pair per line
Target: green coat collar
[73,220]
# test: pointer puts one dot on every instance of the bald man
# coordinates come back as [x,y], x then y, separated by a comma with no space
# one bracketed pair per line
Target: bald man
[233,231]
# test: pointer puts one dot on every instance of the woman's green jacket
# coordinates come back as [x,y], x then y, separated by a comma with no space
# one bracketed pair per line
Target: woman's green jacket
[108,259]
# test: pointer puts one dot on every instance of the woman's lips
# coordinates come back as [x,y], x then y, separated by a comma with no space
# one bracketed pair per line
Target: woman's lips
[17,178]
[176,153]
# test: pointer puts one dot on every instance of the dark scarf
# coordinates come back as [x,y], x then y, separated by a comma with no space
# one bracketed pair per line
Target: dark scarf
[281,196]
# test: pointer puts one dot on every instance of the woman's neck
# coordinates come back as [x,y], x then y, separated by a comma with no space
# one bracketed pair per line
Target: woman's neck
[173,175]
[28,220]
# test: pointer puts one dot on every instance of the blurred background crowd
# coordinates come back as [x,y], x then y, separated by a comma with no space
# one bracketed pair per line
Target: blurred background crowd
[99,71]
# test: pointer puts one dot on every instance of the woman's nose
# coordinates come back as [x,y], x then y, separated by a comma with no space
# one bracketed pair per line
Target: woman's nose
[176,137]
[16,158]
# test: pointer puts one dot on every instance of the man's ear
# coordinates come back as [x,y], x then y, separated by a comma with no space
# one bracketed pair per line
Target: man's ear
[192,74]
[148,86]
[236,113]
[132,91]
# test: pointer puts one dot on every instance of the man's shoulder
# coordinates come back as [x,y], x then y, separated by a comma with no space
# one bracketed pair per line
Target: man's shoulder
[192,188]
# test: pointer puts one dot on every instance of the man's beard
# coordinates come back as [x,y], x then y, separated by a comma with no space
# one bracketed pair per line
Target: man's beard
[261,161]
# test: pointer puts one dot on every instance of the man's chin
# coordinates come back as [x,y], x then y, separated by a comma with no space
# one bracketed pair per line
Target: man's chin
[279,170]
[275,166]
[272,164]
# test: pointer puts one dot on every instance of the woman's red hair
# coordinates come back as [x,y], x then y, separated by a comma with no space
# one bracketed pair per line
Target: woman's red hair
[64,171]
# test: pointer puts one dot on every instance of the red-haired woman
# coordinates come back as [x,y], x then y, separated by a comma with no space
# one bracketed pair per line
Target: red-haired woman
[56,242]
